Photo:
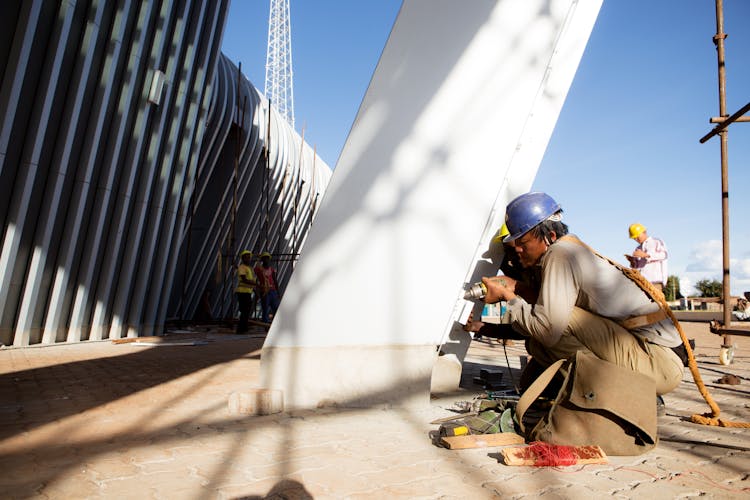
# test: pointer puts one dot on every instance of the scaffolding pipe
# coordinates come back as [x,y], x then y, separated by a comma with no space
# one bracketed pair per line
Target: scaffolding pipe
[266,181]
[229,262]
[297,194]
[725,122]
[722,131]
[726,290]
[722,119]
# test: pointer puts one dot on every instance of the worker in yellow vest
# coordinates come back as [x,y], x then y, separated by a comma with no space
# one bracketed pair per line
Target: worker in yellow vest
[246,283]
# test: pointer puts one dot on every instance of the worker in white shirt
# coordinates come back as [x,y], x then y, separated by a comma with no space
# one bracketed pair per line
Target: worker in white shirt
[649,257]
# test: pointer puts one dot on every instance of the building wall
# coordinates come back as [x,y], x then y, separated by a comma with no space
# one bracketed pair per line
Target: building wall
[99,186]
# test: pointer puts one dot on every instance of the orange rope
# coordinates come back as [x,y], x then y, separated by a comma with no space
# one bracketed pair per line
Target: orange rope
[711,418]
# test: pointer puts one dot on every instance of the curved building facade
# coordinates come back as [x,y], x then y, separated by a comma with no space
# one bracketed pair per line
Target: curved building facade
[133,164]
[258,181]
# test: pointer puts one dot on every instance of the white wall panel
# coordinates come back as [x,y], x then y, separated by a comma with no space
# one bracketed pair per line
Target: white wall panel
[453,125]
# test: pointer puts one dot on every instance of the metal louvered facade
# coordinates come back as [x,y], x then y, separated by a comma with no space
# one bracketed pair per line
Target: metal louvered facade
[108,181]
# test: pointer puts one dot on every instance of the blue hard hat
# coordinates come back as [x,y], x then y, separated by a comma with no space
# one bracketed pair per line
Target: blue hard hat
[526,211]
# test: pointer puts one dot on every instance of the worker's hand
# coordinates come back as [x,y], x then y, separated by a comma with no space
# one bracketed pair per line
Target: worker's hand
[640,254]
[499,288]
[471,325]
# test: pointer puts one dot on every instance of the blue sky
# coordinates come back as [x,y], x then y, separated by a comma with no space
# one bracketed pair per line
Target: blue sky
[625,148]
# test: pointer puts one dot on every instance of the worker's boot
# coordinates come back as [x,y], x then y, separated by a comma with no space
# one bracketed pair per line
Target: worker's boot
[661,407]
[682,352]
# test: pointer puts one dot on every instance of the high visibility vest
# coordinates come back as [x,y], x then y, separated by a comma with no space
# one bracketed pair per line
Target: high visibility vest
[247,272]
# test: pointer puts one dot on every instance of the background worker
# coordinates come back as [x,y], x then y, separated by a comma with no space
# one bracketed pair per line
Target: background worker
[742,310]
[585,303]
[649,257]
[269,293]
[246,283]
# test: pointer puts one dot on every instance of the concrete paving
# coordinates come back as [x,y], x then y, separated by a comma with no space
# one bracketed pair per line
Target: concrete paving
[104,420]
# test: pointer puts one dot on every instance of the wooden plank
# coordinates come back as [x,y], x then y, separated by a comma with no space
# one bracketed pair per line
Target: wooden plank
[256,322]
[128,340]
[698,316]
[169,344]
[481,440]
[454,417]
[553,455]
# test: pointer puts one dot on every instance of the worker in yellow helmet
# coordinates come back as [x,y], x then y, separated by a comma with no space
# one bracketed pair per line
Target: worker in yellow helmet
[500,235]
[635,230]
[246,283]
[649,257]
[526,285]
[527,280]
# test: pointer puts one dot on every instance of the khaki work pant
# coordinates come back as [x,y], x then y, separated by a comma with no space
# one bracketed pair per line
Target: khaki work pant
[611,342]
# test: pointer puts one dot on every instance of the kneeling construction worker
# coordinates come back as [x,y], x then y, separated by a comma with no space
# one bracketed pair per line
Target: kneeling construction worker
[584,302]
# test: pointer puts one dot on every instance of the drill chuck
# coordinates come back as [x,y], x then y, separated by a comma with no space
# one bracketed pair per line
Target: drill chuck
[477,291]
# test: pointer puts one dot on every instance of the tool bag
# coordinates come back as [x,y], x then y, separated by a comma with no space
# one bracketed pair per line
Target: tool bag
[599,403]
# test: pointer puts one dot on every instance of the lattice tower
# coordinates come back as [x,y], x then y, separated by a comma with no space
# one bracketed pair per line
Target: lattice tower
[279,83]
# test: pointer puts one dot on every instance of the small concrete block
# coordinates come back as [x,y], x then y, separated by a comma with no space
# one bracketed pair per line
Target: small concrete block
[446,374]
[256,402]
